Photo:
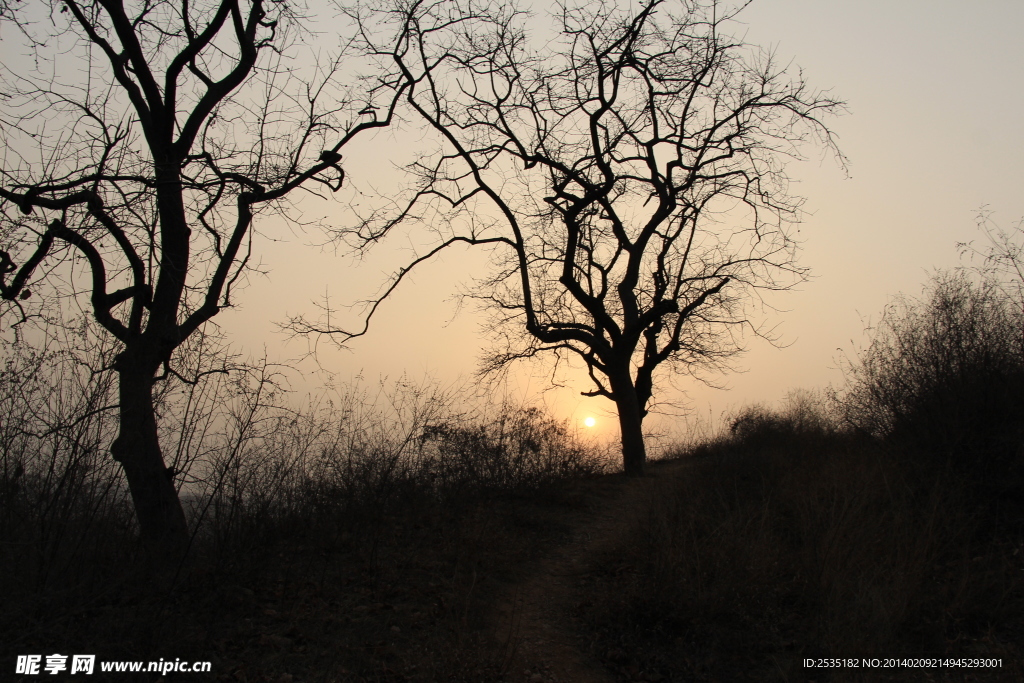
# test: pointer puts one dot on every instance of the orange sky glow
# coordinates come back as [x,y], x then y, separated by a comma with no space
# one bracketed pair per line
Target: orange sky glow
[933,135]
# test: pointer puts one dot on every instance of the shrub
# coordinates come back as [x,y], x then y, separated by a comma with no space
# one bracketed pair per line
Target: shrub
[62,499]
[803,417]
[251,463]
[943,379]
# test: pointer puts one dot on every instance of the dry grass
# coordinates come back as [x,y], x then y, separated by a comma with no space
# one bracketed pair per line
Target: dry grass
[356,539]
[782,542]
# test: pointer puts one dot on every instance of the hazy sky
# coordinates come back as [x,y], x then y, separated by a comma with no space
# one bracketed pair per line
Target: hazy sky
[935,97]
[935,100]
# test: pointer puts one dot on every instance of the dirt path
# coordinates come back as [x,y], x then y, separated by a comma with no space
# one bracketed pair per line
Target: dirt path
[534,624]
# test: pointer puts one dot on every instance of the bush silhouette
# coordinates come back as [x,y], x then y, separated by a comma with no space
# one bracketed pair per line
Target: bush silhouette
[943,380]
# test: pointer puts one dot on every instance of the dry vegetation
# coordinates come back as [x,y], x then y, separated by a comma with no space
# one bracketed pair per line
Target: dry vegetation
[367,537]
[888,521]
[356,539]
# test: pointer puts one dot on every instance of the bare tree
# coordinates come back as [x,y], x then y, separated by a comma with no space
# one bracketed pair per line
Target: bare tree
[630,177]
[142,138]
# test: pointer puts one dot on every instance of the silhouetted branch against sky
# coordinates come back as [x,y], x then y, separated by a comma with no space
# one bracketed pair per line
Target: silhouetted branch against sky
[633,167]
[141,142]
[1000,258]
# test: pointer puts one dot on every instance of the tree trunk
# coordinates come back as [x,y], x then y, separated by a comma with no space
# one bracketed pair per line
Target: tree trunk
[162,524]
[634,452]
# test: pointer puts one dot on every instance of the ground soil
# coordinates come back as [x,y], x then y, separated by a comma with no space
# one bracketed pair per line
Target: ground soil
[501,588]
[486,592]
[534,624]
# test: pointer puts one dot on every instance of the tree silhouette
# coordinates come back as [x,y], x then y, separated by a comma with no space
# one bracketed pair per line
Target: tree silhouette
[629,177]
[140,147]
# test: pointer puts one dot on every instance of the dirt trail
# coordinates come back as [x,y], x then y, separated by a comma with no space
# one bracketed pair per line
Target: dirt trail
[534,623]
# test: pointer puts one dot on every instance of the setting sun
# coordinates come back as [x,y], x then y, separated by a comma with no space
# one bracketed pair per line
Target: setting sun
[590,422]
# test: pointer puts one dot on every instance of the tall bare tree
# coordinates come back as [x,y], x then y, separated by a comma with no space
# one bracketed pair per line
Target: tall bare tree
[629,174]
[142,138]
